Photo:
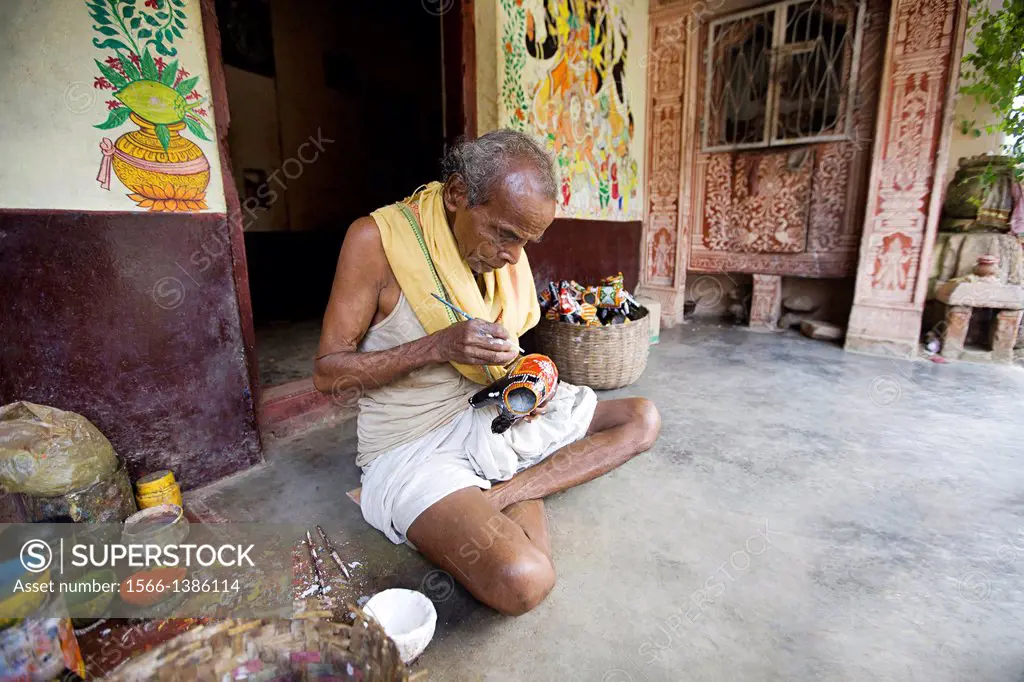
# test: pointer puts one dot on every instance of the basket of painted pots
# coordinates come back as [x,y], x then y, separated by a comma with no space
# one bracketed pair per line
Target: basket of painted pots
[602,357]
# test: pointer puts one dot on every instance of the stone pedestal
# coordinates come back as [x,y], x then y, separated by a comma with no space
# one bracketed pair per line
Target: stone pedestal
[961,297]
[1004,334]
[766,303]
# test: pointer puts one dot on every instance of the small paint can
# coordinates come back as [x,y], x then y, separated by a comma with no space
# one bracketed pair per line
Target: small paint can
[157,488]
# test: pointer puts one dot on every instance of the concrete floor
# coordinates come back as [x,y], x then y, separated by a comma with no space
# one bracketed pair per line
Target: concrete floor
[807,514]
[285,351]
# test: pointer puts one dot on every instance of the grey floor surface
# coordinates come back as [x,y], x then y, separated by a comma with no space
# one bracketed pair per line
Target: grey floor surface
[807,514]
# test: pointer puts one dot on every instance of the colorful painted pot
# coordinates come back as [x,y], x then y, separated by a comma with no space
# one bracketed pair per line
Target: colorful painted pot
[171,180]
[530,382]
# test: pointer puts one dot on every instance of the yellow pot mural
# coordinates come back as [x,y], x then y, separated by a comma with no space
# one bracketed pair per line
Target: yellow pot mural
[164,170]
[174,179]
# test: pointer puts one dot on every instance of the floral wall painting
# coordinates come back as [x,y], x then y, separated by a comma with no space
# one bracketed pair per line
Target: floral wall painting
[571,72]
[153,94]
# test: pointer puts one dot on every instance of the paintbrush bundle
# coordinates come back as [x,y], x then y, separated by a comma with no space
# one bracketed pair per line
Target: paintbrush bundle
[592,306]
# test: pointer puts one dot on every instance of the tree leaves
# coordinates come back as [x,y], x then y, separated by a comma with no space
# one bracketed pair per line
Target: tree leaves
[107,30]
[185,87]
[163,134]
[116,118]
[116,79]
[149,71]
[993,72]
[195,128]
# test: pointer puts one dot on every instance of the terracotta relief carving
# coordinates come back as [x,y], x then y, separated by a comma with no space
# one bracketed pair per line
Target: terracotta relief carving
[766,303]
[769,203]
[667,51]
[907,165]
[893,256]
[917,86]
[824,234]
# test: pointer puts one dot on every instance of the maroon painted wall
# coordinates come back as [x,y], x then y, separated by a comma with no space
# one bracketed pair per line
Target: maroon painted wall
[587,250]
[131,320]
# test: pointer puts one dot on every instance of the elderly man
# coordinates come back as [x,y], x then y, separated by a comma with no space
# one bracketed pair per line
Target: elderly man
[433,473]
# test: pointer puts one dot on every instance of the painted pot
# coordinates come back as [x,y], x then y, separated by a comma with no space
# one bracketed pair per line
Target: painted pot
[971,204]
[171,180]
[529,383]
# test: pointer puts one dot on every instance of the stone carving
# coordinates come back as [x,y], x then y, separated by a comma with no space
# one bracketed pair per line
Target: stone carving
[766,305]
[893,257]
[889,300]
[769,204]
[824,234]
[665,153]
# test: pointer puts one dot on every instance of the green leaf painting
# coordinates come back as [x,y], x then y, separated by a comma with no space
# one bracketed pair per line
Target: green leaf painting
[138,39]
[195,128]
[116,118]
[164,135]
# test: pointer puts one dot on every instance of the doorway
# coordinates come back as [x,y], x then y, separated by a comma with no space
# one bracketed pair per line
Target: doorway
[336,109]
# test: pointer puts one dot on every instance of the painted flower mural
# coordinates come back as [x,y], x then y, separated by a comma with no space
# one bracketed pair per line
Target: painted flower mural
[164,170]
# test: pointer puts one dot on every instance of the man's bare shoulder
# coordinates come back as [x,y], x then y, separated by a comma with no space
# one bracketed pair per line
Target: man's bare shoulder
[363,255]
[363,238]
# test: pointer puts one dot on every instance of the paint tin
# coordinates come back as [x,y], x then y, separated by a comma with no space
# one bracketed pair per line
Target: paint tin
[157,488]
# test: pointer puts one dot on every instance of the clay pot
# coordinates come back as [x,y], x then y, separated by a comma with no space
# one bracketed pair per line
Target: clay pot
[530,382]
[987,266]
[171,180]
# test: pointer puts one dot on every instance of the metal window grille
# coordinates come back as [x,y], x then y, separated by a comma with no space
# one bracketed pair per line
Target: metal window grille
[782,74]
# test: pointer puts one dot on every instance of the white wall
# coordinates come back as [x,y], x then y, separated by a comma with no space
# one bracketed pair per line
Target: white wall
[49,107]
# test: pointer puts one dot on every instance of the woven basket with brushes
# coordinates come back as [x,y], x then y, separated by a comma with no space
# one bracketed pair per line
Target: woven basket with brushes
[301,649]
[603,357]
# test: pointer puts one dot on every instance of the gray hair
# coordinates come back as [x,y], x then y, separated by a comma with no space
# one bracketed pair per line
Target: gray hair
[482,162]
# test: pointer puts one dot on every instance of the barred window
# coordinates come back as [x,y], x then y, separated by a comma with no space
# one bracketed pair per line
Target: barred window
[782,74]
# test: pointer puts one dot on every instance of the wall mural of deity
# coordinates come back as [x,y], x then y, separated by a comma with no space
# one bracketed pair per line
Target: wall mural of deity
[571,72]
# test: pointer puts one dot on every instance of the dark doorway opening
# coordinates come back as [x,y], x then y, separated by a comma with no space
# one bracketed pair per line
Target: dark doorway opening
[336,109]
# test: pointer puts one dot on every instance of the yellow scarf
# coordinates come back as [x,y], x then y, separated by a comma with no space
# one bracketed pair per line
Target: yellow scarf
[425,259]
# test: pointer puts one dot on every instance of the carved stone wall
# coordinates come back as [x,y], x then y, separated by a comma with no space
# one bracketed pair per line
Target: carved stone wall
[671,110]
[874,199]
[834,217]
[907,176]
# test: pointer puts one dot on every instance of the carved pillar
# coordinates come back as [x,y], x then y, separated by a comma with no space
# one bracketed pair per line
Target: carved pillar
[671,109]
[1004,334]
[766,303]
[915,111]
[958,320]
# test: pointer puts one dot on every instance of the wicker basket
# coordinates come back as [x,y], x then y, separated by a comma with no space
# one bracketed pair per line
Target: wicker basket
[293,650]
[605,357]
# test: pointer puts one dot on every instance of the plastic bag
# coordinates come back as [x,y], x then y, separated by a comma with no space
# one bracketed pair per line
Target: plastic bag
[48,452]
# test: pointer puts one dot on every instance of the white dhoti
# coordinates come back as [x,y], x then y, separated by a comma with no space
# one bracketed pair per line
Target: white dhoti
[401,484]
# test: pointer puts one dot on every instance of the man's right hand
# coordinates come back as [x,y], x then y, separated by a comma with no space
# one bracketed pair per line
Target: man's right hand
[474,342]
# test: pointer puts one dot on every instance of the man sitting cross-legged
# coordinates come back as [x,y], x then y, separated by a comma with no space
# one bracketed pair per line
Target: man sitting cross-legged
[432,470]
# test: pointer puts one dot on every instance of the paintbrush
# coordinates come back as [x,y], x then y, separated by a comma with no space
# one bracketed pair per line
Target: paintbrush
[466,315]
[334,552]
[316,567]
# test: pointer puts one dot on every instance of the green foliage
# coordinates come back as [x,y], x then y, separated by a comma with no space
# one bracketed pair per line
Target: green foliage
[994,72]
[164,135]
[195,128]
[116,118]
